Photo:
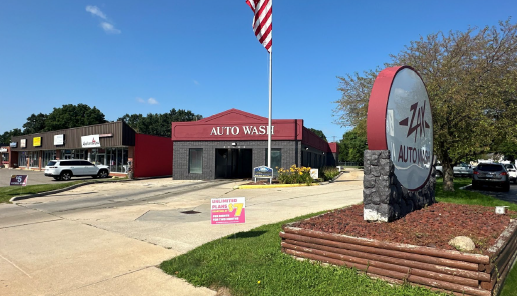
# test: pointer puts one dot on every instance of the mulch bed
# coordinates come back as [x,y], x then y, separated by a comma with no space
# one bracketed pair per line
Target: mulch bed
[432,226]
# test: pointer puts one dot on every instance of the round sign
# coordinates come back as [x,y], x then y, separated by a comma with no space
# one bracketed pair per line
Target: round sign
[399,119]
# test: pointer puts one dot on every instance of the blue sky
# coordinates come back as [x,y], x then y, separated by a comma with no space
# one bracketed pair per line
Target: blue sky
[151,56]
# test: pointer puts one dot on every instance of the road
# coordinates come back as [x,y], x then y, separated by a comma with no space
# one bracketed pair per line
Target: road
[34,177]
[107,239]
[510,196]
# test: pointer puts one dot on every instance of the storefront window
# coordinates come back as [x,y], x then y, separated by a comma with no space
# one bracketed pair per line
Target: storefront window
[5,157]
[22,159]
[48,155]
[195,161]
[115,158]
[276,160]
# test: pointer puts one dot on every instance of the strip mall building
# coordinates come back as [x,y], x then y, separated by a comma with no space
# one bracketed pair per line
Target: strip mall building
[230,144]
[114,144]
[227,145]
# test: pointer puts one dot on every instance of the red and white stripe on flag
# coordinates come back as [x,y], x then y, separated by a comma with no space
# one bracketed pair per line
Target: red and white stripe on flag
[262,21]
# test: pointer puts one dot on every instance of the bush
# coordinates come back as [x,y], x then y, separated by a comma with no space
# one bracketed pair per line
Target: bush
[295,175]
[329,172]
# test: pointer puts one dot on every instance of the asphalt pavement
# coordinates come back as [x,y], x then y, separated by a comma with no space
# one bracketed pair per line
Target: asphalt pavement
[108,239]
[34,177]
[510,196]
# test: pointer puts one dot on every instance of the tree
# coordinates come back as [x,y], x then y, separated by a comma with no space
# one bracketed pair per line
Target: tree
[471,82]
[70,116]
[352,146]
[5,138]
[35,124]
[319,133]
[158,124]
[509,149]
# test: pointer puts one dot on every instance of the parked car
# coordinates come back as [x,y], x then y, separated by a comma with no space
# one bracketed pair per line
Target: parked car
[67,168]
[494,174]
[512,172]
[461,170]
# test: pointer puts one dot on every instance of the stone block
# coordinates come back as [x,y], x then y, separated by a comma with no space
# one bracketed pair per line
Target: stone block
[385,167]
[375,171]
[367,168]
[376,198]
[369,181]
[385,154]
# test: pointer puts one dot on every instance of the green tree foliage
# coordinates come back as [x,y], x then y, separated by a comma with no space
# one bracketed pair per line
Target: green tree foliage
[509,149]
[319,133]
[35,124]
[70,116]
[471,79]
[5,138]
[158,124]
[352,146]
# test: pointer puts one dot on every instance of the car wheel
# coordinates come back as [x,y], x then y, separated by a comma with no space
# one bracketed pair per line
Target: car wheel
[103,174]
[506,187]
[66,176]
[475,185]
[514,181]
[439,174]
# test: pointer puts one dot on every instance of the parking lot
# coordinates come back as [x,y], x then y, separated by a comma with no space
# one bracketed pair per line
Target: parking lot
[510,196]
[34,177]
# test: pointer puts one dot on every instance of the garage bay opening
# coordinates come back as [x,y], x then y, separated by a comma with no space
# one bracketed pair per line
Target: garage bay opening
[233,163]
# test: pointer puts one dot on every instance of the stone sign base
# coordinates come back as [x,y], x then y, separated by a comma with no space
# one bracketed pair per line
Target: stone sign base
[385,199]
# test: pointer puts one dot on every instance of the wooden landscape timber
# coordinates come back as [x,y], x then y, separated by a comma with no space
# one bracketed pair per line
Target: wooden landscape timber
[458,272]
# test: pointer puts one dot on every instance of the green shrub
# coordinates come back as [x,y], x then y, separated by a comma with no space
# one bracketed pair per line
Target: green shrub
[328,172]
[295,175]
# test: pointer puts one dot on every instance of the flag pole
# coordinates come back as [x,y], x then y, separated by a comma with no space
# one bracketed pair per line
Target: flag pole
[270,106]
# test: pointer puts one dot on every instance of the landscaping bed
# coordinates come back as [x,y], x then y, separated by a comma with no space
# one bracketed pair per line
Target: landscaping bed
[415,248]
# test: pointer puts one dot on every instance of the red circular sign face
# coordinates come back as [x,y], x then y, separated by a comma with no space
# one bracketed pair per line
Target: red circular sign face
[400,120]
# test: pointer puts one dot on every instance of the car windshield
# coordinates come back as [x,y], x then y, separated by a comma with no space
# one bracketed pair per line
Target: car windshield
[51,163]
[509,166]
[490,167]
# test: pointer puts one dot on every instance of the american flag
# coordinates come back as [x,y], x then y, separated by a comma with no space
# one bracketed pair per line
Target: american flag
[262,19]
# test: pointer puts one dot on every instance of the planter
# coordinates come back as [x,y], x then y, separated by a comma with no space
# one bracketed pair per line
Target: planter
[454,271]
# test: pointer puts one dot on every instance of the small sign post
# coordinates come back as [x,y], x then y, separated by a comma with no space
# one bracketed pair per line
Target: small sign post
[228,210]
[19,180]
[262,172]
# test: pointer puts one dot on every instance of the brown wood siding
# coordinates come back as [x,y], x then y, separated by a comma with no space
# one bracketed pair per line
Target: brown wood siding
[122,135]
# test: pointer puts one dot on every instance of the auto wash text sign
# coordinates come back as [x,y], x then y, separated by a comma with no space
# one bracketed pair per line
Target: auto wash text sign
[400,120]
[228,210]
[238,130]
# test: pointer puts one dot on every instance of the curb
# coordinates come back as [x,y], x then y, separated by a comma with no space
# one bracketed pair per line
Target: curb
[273,186]
[22,197]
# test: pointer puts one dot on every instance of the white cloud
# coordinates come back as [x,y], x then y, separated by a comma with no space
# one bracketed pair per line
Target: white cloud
[95,11]
[150,101]
[108,28]
[106,25]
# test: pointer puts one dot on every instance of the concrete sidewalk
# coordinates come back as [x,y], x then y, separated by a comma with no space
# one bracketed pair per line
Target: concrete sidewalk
[115,250]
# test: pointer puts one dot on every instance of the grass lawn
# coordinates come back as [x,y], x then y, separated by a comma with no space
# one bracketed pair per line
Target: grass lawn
[8,192]
[251,263]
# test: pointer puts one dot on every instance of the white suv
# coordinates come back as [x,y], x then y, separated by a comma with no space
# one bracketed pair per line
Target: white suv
[512,172]
[65,169]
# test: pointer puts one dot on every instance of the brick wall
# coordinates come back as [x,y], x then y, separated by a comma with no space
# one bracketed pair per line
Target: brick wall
[291,154]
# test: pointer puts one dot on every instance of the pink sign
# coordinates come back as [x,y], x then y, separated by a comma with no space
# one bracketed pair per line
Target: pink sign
[228,210]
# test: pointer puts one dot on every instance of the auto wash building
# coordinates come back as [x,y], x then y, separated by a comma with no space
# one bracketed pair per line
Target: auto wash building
[231,143]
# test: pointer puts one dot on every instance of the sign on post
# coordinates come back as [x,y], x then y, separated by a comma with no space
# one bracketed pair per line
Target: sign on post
[19,180]
[228,210]
[263,172]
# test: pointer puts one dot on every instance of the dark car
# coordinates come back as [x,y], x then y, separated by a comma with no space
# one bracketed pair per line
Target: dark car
[492,174]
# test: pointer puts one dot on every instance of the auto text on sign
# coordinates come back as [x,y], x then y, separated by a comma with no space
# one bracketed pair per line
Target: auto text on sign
[228,210]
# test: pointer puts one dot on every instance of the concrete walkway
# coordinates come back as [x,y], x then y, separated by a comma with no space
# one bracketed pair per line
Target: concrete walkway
[49,249]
